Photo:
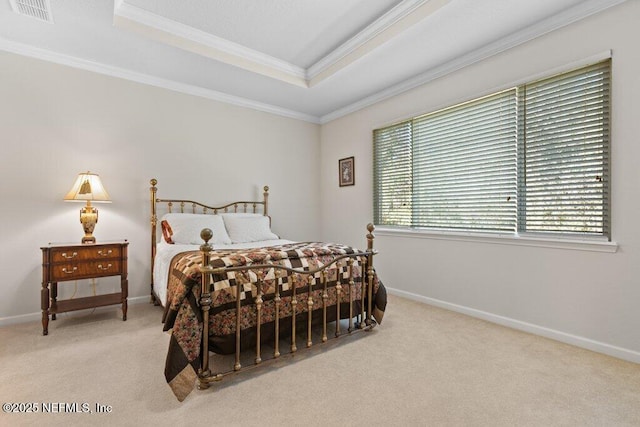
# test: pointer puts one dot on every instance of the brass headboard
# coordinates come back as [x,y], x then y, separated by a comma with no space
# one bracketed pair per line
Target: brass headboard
[190,206]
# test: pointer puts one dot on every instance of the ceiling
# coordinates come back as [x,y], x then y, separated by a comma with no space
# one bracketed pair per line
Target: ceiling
[308,59]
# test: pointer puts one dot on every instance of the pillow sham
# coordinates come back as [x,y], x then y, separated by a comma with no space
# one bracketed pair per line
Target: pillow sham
[185,228]
[243,228]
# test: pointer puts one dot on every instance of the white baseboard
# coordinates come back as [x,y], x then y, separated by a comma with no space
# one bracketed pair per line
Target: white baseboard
[599,347]
[32,317]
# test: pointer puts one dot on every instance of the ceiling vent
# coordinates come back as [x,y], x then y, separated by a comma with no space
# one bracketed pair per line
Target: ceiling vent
[38,9]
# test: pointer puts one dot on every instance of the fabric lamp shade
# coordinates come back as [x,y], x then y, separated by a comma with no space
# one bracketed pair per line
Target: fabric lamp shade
[88,186]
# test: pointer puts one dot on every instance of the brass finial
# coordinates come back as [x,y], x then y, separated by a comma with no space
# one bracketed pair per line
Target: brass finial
[206,234]
[153,181]
[370,237]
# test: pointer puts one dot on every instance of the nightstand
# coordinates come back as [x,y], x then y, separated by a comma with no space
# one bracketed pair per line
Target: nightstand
[64,262]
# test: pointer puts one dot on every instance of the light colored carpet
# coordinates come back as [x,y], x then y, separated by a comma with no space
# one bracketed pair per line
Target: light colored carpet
[422,366]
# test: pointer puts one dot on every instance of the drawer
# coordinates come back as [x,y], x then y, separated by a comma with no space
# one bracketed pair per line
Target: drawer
[85,253]
[80,270]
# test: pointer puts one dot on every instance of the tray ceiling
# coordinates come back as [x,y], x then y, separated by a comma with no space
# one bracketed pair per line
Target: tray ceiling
[308,59]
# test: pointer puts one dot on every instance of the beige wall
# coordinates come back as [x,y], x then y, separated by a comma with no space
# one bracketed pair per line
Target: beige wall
[587,298]
[57,121]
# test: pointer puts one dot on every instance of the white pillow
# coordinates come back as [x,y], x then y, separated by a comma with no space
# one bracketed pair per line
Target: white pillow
[244,228]
[186,228]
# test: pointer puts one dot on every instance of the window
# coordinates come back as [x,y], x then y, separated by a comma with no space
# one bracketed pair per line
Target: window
[533,159]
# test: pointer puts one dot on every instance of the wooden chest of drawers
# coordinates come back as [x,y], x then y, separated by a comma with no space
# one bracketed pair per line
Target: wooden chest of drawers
[82,261]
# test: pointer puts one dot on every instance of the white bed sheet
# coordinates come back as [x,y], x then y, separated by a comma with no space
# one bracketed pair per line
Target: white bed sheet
[165,253]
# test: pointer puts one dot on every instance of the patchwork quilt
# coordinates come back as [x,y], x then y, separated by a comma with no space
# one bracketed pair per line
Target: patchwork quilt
[183,316]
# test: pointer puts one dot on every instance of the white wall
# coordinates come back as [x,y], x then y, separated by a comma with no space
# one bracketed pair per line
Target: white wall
[582,297]
[57,121]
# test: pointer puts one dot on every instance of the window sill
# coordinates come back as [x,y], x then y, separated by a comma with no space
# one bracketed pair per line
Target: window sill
[593,245]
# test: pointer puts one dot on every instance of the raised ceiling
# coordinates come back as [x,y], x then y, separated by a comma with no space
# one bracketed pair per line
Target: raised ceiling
[308,59]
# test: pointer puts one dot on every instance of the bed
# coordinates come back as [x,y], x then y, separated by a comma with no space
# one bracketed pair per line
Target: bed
[228,284]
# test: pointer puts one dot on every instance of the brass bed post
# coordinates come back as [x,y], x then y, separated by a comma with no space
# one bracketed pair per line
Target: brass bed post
[325,297]
[259,302]
[338,297]
[294,303]
[277,299]
[309,311]
[205,305]
[237,365]
[154,220]
[363,261]
[370,237]
[350,287]
[266,200]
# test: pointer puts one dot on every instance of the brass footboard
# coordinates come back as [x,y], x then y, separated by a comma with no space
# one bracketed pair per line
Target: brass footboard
[364,319]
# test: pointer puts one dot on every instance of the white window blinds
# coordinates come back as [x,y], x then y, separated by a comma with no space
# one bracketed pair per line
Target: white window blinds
[464,166]
[531,159]
[566,153]
[393,175]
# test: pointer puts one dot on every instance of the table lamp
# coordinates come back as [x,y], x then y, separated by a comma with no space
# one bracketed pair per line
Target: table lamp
[88,187]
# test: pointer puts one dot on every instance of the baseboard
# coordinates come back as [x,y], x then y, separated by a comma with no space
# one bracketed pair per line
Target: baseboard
[586,343]
[32,317]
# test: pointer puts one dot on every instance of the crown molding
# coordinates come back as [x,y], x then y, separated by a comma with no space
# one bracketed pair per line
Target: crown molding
[389,25]
[202,43]
[397,13]
[562,19]
[96,67]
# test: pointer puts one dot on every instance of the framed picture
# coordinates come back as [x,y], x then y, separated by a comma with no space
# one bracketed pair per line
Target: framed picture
[346,172]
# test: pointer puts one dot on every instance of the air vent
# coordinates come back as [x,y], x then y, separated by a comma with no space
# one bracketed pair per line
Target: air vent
[38,9]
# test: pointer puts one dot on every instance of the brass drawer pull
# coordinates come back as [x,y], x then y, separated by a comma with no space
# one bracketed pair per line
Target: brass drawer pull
[73,270]
[107,253]
[66,256]
[101,267]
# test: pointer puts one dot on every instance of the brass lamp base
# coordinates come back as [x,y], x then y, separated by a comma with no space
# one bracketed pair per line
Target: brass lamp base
[88,218]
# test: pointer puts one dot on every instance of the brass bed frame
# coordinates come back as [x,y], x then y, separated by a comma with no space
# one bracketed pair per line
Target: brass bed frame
[364,320]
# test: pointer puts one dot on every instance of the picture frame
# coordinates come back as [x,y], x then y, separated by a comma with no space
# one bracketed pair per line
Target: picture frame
[346,171]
